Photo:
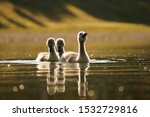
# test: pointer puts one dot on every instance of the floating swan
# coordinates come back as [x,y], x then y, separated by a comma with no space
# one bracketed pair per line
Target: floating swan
[61,50]
[51,55]
[81,56]
[60,46]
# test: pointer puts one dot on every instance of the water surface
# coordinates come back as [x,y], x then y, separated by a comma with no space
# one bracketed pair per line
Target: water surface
[100,79]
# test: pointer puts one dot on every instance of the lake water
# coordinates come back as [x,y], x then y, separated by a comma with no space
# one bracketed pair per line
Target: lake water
[121,74]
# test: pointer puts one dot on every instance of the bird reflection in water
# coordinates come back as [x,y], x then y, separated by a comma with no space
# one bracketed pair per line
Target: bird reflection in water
[57,72]
[82,80]
[55,79]
[55,76]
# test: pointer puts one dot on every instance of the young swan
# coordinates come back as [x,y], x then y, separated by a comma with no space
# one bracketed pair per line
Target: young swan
[60,43]
[81,56]
[51,55]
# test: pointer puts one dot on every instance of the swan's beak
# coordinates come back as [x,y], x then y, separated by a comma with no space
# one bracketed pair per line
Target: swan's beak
[84,35]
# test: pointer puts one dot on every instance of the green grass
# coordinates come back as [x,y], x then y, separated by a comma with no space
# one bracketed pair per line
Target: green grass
[70,15]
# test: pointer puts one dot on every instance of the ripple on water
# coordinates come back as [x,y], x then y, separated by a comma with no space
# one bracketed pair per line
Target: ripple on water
[102,61]
[18,62]
[34,62]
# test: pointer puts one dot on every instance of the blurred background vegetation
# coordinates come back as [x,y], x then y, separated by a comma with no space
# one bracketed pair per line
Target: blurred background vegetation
[70,15]
[115,27]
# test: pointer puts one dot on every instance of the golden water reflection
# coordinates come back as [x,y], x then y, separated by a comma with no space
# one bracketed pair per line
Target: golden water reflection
[56,77]
[27,79]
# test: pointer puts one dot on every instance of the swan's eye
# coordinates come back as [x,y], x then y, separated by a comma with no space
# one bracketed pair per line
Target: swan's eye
[80,34]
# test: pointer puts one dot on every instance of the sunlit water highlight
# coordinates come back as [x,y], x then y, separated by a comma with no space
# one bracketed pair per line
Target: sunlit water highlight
[34,62]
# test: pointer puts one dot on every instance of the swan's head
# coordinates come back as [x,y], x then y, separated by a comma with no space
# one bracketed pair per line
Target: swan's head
[82,36]
[60,42]
[60,46]
[50,43]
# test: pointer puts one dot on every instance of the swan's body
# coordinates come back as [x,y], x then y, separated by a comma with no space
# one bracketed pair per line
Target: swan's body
[69,57]
[81,56]
[65,56]
[51,55]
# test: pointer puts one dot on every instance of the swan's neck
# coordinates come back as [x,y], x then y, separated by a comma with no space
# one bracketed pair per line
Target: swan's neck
[61,50]
[51,49]
[82,49]
[82,56]
[53,56]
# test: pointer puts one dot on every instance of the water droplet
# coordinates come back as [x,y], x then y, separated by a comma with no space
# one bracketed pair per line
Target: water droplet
[145,68]
[120,88]
[8,65]
[15,89]
[91,93]
[21,86]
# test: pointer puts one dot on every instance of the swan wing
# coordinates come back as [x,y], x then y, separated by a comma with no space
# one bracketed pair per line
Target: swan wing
[42,56]
[69,57]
